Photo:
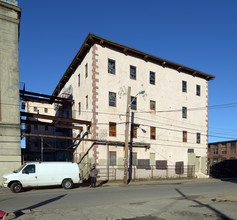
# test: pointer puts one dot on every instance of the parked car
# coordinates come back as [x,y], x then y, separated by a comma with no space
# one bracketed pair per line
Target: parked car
[35,174]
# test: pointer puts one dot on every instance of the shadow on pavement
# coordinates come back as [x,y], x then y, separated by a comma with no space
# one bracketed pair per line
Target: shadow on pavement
[20,212]
[220,214]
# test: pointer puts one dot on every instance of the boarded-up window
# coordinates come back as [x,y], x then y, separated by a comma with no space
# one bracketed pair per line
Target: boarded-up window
[153,133]
[184,136]
[161,164]
[179,167]
[143,164]
[112,129]
[134,158]
[112,158]
[134,131]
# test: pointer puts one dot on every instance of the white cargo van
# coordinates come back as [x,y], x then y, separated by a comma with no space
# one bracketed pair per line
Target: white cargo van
[43,174]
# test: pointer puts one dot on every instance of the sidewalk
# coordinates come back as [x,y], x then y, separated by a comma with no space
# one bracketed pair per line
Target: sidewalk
[156,182]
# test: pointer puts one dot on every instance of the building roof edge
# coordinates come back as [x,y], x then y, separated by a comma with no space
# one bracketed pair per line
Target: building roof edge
[92,39]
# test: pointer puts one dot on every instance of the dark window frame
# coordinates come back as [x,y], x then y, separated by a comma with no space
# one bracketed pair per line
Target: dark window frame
[152,105]
[198,90]
[112,99]
[133,100]
[86,70]
[223,149]
[152,78]
[184,112]
[111,66]
[133,72]
[215,150]
[198,138]
[184,86]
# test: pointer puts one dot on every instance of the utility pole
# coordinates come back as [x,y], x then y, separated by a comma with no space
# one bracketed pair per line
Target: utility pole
[125,178]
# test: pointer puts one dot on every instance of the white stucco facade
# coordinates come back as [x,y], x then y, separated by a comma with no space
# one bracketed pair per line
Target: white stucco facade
[167,119]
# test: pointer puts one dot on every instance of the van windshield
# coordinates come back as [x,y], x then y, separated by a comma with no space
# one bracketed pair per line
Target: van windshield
[19,169]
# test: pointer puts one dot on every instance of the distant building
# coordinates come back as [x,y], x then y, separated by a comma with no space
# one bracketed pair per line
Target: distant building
[171,116]
[10,128]
[222,158]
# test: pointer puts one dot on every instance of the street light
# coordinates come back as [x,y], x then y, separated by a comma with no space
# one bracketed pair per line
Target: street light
[125,178]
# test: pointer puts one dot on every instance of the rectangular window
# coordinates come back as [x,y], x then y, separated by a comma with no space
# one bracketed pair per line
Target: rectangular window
[112,129]
[112,99]
[79,108]
[233,148]
[45,110]
[134,130]
[133,103]
[86,70]
[112,158]
[184,112]
[35,127]
[184,86]
[152,133]
[198,90]
[46,128]
[134,158]
[223,149]
[133,72]
[215,149]
[87,102]
[35,109]
[152,105]
[111,66]
[79,80]
[185,136]
[198,141]
[152,78]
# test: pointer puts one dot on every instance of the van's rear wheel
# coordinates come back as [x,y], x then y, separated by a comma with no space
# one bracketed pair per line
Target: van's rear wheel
[67,184]
[16,187]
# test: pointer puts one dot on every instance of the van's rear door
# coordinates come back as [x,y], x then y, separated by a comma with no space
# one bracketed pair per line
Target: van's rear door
[29,175]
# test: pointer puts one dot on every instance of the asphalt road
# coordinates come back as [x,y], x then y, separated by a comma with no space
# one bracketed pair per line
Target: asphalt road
[157,200]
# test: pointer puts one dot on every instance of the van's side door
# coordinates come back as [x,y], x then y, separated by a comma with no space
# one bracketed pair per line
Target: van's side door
[29,175]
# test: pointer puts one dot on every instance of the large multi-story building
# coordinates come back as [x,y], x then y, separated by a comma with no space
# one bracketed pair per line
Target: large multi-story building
[10,129]
[170,115]
[222,158]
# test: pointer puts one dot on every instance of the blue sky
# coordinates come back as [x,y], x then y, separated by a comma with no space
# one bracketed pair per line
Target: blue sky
[199,34]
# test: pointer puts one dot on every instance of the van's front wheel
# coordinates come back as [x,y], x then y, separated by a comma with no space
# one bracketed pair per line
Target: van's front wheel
[16,187]
[67,184]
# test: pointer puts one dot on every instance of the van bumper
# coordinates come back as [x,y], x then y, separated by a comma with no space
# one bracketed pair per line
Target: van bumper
[4,185]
